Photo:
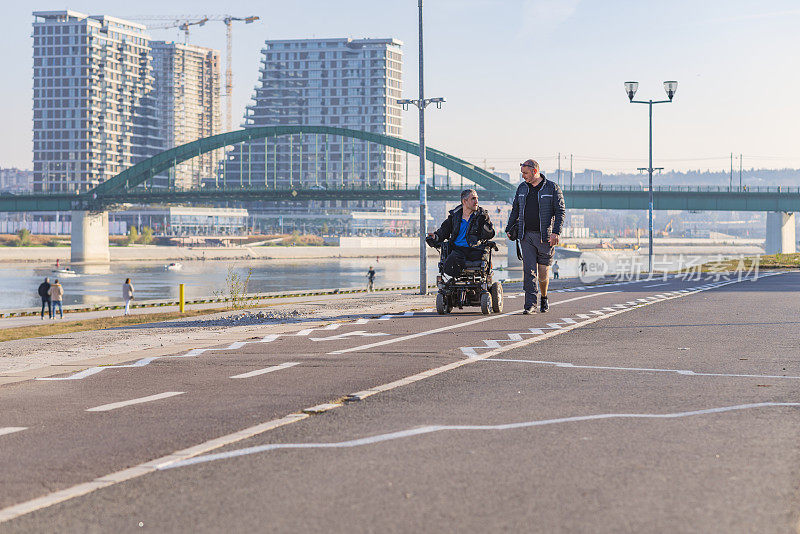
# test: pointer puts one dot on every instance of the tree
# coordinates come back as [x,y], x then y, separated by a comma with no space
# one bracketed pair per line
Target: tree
[147,236]
[133,236]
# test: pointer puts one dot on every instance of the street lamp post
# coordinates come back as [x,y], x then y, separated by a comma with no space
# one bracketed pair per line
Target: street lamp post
[630,88]
[421,104]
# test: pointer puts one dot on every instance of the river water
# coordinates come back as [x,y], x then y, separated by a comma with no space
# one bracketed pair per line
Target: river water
[95,285]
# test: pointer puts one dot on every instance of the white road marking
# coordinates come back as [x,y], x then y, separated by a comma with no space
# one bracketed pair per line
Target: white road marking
[11,429]
[684,372]
[45,501]
[48,500]
[122,404]
[371,440]
[656,285]
[267,370]
[307,331]
[361,333]
[453,327]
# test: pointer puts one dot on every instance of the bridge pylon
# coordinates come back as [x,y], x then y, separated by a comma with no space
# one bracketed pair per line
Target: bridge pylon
[89,243]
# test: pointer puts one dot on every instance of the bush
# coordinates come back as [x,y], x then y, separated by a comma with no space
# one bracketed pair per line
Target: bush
[23,238]
[235,291]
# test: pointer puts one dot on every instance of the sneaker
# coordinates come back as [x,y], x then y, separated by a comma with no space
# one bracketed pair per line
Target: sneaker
[528,311]
[544,306]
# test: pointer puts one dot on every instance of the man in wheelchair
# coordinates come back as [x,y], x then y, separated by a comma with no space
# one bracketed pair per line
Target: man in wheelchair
[466,257]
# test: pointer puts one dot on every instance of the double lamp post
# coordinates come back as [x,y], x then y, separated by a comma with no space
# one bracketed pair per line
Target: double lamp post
[421,104]
[630,88]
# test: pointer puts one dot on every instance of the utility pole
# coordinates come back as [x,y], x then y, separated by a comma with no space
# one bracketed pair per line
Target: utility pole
[559,169]
[730,186]
[740,172]
[570,171]
[421,104]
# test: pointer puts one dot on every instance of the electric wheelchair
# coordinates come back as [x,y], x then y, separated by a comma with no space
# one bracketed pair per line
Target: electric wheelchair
[473,287]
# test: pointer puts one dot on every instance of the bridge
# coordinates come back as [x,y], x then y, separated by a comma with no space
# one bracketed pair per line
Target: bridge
[89,239]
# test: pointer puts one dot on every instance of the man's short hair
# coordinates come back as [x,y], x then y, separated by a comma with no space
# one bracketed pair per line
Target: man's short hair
[530,163]
[466,193]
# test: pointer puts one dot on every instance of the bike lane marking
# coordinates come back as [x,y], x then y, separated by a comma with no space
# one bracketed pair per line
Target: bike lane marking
[145,468]
[266,370]
[140,400]
[459,325]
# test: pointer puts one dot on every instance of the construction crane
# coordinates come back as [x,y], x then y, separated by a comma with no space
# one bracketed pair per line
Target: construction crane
[183,22]
[179,23]
[229,20]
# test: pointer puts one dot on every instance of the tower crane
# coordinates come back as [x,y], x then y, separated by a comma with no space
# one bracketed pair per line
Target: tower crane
[183,22]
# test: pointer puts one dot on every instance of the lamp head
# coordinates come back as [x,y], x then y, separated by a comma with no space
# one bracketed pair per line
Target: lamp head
[630,88]
[671,87]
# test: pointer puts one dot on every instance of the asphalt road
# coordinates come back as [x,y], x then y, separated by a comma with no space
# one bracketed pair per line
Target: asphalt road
[658,406]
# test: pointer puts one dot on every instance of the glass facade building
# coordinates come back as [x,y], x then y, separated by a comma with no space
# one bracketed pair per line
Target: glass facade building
[347,83]
[94,110]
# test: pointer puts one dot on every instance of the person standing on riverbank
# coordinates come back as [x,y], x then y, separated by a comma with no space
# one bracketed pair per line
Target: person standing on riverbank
[370,279]
[44,293]
[56,293]
[127,295]
[555,270]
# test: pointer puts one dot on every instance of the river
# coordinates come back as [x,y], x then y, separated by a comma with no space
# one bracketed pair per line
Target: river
[94,285]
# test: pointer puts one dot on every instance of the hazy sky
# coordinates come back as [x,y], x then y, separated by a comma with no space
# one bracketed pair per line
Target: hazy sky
[522,78]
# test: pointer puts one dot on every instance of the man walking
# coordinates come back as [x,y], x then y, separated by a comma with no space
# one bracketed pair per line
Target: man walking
[370,279]
[57,295]
[466,227]
[44,293]
[536,219]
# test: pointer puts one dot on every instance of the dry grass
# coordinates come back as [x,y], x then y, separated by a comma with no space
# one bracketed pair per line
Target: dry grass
[772,261]
[56,327]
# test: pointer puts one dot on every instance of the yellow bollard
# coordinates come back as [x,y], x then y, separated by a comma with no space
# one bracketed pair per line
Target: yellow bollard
[181,300]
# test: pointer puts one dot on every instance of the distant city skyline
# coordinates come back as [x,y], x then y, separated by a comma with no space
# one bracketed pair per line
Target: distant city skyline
[524,78]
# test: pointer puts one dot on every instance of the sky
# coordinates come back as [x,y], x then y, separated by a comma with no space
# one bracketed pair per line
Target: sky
[522,78]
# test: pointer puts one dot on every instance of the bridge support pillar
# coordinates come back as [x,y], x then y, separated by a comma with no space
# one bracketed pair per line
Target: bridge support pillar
[89,237]
[513,261]
[780,233]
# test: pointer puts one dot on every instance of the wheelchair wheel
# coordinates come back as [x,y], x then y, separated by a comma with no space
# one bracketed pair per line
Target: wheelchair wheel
[486,303]
[442,306]
[497,297]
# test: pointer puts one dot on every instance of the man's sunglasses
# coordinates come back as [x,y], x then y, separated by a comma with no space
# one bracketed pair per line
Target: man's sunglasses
[525,165]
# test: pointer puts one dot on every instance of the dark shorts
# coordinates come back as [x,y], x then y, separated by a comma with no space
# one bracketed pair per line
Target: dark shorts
[533,247]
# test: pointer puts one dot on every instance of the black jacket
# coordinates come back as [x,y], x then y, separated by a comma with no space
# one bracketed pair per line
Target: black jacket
[44,291]
[551,210]
[480,227]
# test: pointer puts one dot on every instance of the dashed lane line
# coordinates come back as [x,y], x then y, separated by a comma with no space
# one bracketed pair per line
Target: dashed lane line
[48,500]
[266,370]
[141,400]
[11,429]
[430,429]
[683,372]
[455,326]
[345,335]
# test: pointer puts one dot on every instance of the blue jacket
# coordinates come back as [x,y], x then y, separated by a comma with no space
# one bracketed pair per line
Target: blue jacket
[551,210]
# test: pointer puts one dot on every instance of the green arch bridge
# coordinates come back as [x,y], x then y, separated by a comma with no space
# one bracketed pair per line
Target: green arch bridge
[126,187]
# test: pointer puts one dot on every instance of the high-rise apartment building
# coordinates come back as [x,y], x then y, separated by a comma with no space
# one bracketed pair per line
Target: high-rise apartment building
[94,110]
[187,88]
[348,83]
